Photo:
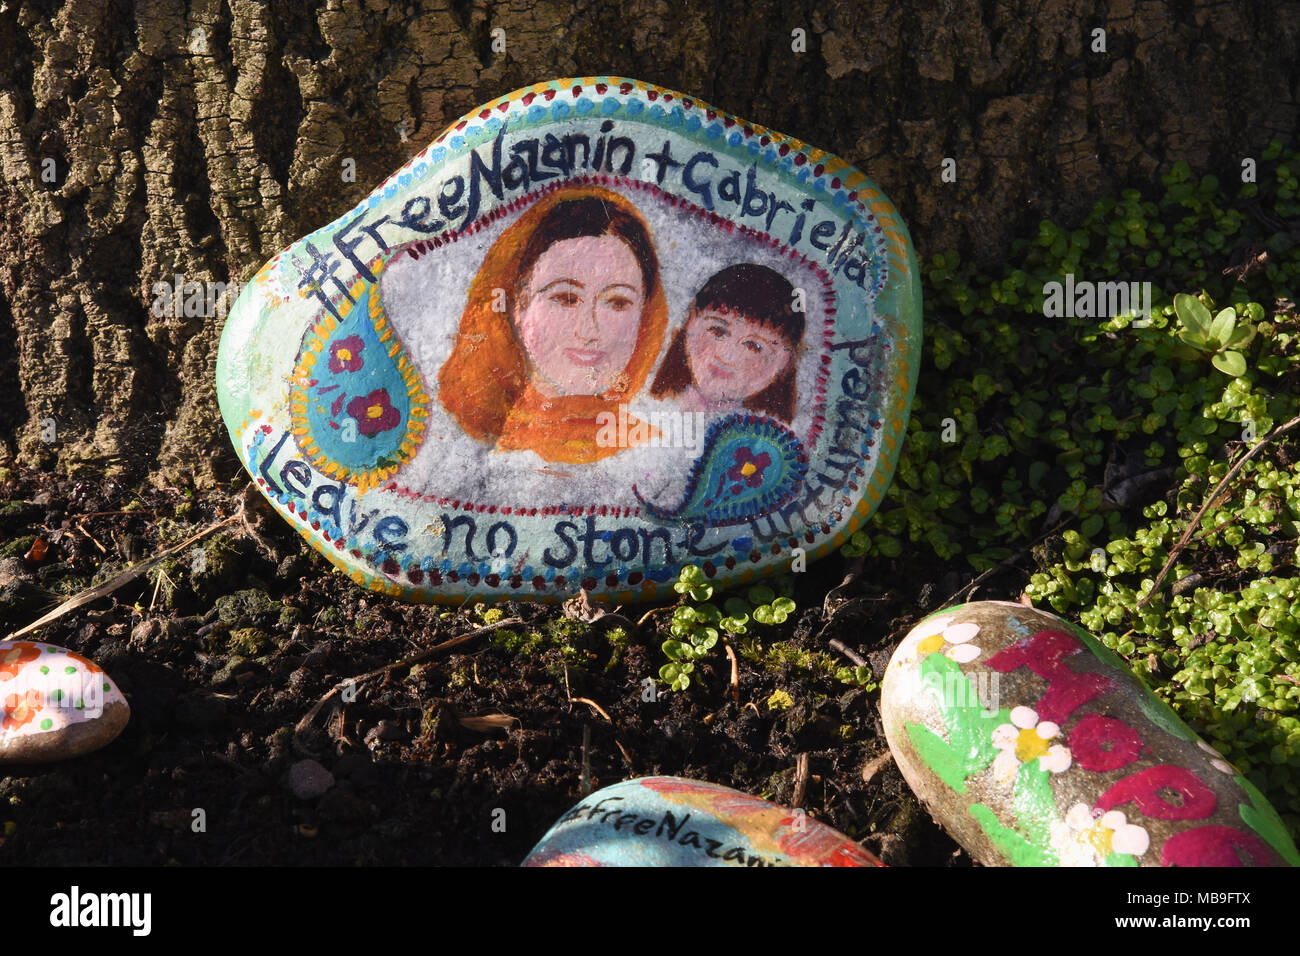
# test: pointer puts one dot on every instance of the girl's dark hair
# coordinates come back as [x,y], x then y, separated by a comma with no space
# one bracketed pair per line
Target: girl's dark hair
[757,293]
[589,217]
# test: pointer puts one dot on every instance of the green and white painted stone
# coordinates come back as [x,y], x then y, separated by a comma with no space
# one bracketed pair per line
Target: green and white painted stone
[672,821]
[594,332]
[56,704]
[1034,745]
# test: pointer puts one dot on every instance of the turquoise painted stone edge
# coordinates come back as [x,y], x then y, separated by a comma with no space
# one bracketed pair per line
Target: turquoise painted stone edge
[900,300]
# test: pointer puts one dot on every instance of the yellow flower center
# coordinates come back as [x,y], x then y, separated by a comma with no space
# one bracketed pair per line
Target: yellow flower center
[748,468]
[1100,837]
[345,355]
[374,411]
[929,645]
[1029,745]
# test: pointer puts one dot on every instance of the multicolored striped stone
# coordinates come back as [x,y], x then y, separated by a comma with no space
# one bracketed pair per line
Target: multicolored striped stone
[670,821]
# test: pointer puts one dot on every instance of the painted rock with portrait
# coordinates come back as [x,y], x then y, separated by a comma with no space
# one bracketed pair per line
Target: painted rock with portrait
[594,332]
[671,821]
[1034,745]
[56,704]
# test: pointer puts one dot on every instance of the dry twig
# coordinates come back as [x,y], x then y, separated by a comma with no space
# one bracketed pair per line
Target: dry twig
[336,693]
[1196,521]
[735,673]
[851,575]
[600,710]
[91,538]
[800,780]
[126,577]
[652,612]
[837,645]
[593,705]
[1005,563]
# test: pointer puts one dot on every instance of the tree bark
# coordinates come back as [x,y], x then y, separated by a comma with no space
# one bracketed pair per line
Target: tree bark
[198,137]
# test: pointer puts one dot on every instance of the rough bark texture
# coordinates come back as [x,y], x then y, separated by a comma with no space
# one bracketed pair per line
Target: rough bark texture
[198,137]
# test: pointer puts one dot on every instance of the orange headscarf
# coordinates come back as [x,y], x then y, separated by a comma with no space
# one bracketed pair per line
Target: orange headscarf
[485,385]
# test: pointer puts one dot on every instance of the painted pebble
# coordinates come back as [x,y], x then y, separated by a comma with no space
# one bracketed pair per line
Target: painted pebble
[1034,745]
[670,821]
[595,331]
[56,704]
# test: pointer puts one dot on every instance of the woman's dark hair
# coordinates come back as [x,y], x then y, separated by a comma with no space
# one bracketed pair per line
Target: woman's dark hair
[589,217]
[757,293]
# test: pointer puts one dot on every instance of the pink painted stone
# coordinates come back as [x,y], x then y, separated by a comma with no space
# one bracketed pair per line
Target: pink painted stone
[1034,745]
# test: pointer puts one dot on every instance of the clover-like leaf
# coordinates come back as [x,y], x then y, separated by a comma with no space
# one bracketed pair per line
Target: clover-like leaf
[703,632]
[677,676]
[677,650]
[707,614]
[736,607]
[763,614]
[691,581]
[735,625]
[1230,363]
[761,594]
[685,616]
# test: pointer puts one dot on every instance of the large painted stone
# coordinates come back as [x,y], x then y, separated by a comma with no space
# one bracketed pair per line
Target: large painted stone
[55,703]
[670,821]
[593,332]
[1034,745]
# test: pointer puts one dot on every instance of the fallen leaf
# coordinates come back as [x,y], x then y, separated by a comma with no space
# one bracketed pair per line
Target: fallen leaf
[488,722]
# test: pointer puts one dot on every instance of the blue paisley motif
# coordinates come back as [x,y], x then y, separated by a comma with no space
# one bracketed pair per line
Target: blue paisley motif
[750,465]
[358,405]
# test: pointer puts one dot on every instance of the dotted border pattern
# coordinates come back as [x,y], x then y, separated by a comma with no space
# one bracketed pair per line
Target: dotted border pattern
[827,170]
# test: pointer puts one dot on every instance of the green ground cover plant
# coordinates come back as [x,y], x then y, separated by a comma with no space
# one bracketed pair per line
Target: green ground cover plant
[1076,451]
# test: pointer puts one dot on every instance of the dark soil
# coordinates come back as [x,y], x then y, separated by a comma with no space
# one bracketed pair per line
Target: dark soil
[233,644]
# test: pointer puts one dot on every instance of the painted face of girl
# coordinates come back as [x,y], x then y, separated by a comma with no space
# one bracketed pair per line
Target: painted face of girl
[581,313]
[733,357]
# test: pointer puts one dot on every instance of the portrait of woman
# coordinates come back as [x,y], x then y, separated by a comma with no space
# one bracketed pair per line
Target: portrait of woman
[564,321]
[738,347]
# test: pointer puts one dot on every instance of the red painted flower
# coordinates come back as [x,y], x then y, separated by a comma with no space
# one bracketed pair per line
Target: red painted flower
[20,710]
[12,659]
[374,413]
[749,467]
[345,354]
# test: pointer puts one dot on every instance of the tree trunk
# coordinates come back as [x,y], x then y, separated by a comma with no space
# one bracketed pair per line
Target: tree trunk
[195,138]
